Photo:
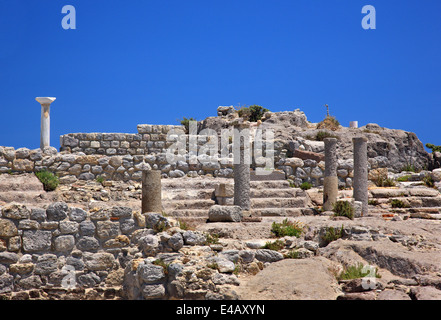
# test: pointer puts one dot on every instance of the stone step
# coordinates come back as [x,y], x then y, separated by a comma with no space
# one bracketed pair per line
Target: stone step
[277,193]
[187,194]
[421,202]
[24,197]
[27,182]
[403,192]
[263,203]
[187,204]
[176,184]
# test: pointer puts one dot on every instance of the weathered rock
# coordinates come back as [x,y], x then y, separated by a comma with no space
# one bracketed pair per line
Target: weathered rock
[290,279]
[267,255]
[219,213]
[98,261]
[37,240]
[57,211]
[194,238]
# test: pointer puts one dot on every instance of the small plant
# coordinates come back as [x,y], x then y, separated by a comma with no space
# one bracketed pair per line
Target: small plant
[184,225]
[321,135]
[276,245]
[332,234]
[252,113]
[356,272]
[433,147]
[373,202]
[48,179]
[397,203]
[330,123]
[287,228]
[100,179]
[428,181]
[186,123]
[410,167]
[306,185]
[343,208]
[381,181]
[212,238]
[213,265]
[161,263]
[293,254]
[403,178]
[161,226]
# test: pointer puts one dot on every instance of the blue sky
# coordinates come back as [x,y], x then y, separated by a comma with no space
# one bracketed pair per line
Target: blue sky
[141,61]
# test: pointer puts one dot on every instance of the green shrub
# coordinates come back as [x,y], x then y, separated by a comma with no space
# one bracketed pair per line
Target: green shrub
[186,123]
[306,186]
[252,113]
[433,147]
[287,228]
[397,203]
[100,179]
[381,181]
[162,264]
[343,208]
[428,181]
[293,254]
[321,135]
[48,179]
[410,167]
[276,245]
[403,178]
[355,272]
[212,238]
[332,234]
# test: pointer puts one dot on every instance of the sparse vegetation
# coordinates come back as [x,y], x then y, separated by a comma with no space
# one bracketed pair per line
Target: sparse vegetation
[49,180]
[397,203]
[410,168]
[287,228]
[321,135]
[292,254]
[382,181]
[343,208]
[356,272]
[162,264]
[330,123]
[428,181]
[373,202]
[332,234]
[252,113]
[186,123]
[276,245]
[403,178]
[306,185]
[100,179]
[212,238]
[433,147]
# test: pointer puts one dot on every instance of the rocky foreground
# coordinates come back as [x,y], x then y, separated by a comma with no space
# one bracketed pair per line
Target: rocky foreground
[89,241]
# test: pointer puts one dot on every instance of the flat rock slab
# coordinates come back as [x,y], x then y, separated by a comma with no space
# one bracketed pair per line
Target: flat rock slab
[290,279]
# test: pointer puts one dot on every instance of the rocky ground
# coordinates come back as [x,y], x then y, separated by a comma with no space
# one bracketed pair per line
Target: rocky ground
[404,245]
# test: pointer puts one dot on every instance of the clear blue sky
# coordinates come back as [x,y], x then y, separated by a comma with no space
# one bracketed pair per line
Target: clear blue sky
[142,61]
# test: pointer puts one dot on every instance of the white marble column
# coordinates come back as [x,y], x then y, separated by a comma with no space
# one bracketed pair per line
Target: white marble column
[45,127]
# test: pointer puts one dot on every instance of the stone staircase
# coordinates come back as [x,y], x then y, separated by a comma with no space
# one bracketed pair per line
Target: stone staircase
[191,199]
[419,202]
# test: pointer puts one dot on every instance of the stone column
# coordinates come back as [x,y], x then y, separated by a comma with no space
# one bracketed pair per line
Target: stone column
[151,191]
[241,152]
[330,182]
[45,125]
[360,182]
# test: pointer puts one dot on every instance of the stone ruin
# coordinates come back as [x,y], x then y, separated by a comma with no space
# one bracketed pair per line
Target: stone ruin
[61,251]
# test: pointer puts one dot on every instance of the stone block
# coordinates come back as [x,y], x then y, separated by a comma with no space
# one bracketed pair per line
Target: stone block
[219,213]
